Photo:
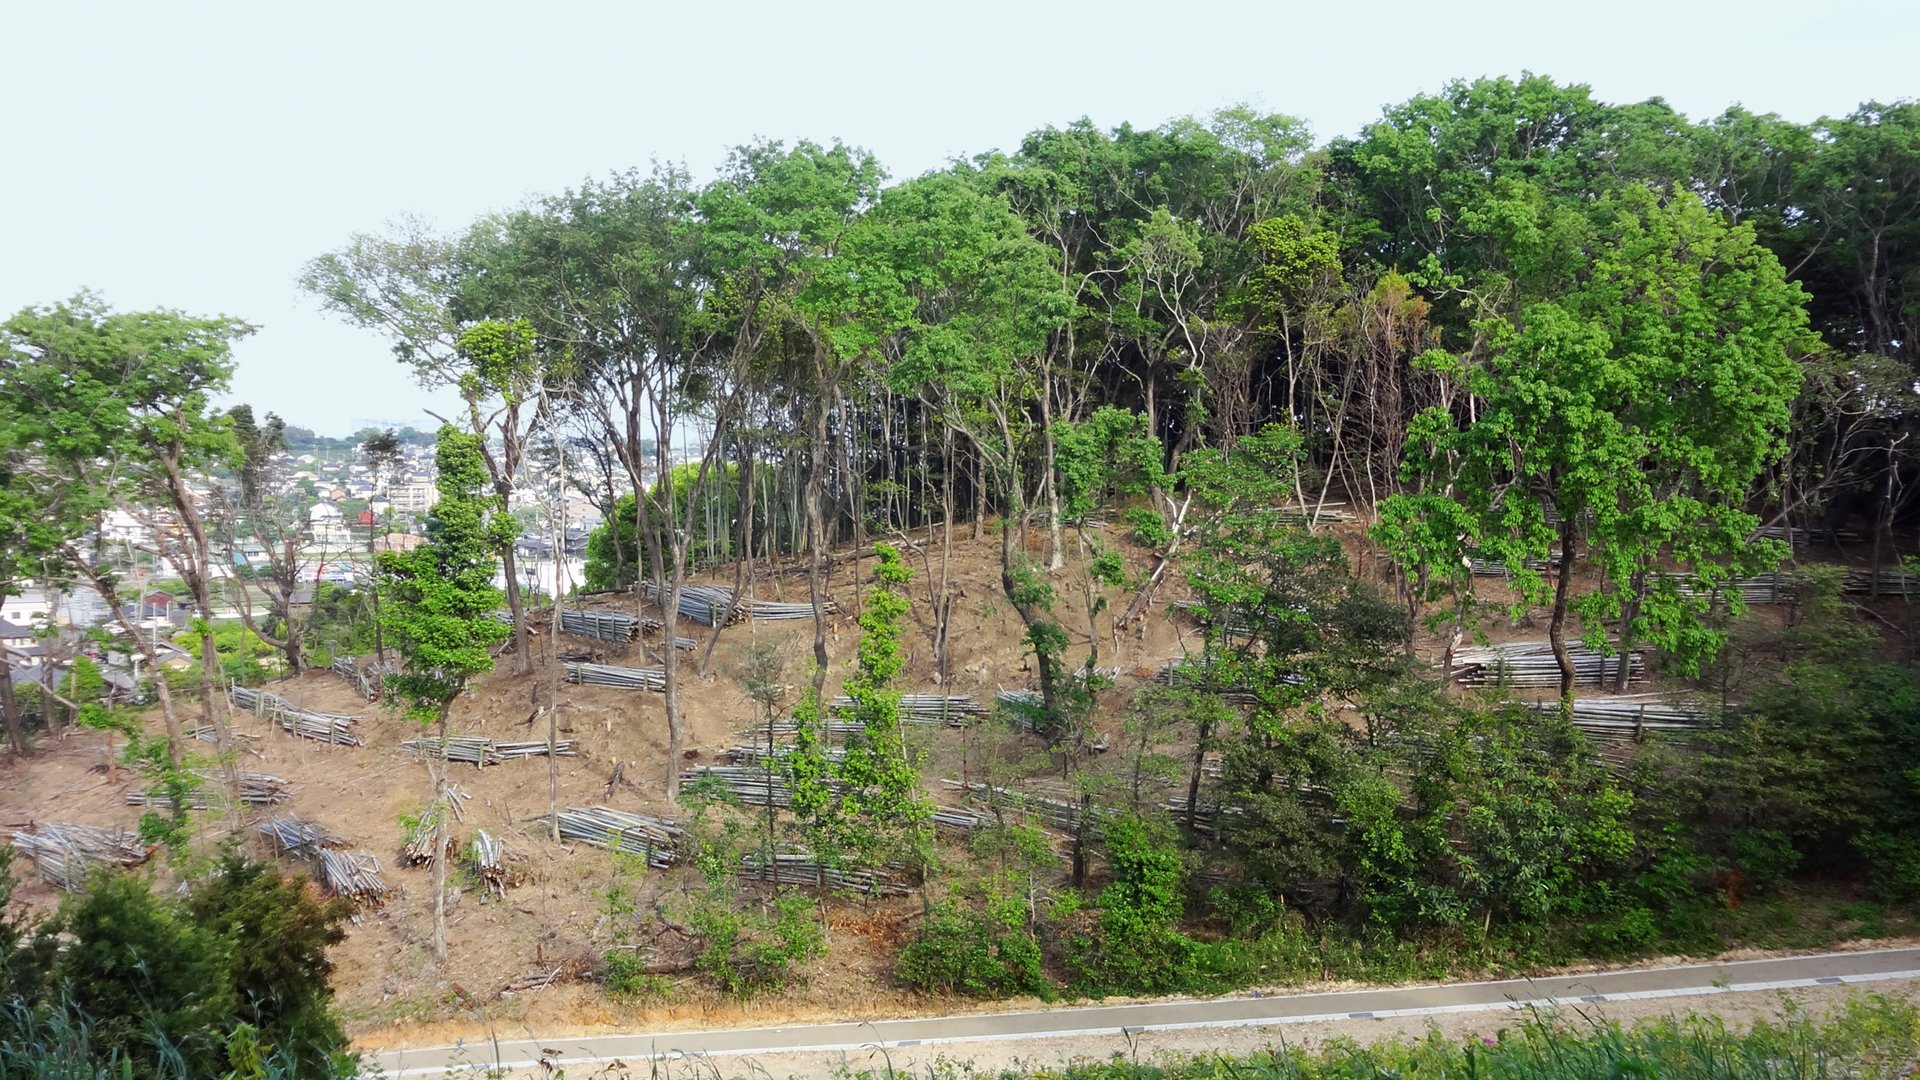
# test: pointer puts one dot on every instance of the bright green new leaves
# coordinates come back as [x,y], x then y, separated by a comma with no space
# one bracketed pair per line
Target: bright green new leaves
[1638,405]
[440,598]
[1110,453]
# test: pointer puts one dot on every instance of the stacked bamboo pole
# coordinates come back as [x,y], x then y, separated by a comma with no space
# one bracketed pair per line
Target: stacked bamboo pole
[802,869]
[1759,589]
[601,625]
[716,605]
[473,750]
[617,830]
[625,678]
[298,837]
[1532,664]
[488,854]
[953,710]
[258,789]
[322,727]
[1623,720]
[352,874]
[367,680]
[1883,583]
[64,854]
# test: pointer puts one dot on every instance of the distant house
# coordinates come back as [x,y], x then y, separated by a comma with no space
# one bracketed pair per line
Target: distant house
[398,542]
[327,525]
[25,610]
[13,635]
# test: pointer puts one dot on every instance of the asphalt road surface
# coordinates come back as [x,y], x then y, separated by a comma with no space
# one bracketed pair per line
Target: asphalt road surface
[1692,980]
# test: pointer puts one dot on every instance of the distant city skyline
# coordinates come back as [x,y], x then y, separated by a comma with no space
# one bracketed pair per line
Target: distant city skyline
[195,157]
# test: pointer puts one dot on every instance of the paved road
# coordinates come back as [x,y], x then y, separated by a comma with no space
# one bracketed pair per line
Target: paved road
[1687,981]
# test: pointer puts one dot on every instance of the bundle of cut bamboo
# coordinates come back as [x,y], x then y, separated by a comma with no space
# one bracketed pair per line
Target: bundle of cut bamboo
[617,830]
[324,727]
[352,874]
[953,710]
[1629,719]
[366,679]
[65,853]
[625,678]
[803,869]
[1532,663]
[1884,583]
[613,626]
[259,789]
[488,854]
[298,837]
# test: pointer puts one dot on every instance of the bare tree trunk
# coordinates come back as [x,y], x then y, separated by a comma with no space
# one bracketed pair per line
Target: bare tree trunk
[522,650]
[439,811]
[10,708]
[817,556]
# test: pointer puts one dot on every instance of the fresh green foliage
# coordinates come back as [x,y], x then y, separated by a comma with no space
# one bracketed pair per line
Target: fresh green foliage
[231,975]
[439,597]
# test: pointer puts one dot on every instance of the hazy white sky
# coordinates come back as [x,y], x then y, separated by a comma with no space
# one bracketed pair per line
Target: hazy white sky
[194,155]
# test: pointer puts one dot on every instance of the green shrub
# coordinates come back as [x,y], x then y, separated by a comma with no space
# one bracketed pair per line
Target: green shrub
[988,952]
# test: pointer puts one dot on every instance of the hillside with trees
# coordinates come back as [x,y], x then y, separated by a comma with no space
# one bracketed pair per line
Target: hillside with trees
[1145,560]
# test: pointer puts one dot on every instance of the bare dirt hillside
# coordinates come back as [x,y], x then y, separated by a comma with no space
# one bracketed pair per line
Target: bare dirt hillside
[553,917]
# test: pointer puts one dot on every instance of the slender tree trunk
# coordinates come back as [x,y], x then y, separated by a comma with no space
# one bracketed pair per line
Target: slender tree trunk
[522,649]
[817,540]
[10,709]
[1562,595]
[1629,613]
[1193,775]
[440,810]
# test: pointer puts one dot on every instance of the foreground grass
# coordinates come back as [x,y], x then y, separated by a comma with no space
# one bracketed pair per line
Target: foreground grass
[1869,1037]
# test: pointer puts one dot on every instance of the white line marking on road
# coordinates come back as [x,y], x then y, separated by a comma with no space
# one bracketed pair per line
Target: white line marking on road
[1513,1005]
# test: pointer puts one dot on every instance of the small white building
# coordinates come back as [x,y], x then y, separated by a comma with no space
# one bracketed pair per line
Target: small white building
[326,525]
[26,610]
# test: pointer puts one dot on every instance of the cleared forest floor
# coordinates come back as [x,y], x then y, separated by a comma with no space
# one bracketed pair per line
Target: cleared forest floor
[554,915]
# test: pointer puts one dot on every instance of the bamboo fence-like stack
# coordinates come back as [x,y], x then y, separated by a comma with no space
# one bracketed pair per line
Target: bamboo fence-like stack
[803,869]
[625,678]
[1883,583]
[749,785]
[366,679]
[1532,664]
[603,625]
[786,730]
[477,751]
[617,830]
[960,819]
[64,854]
[1759,589]
[258,789]
[953,710]
[322,727]
[1181,672]
[1058,813]
[715,605]
[1803,537]
[1626,720]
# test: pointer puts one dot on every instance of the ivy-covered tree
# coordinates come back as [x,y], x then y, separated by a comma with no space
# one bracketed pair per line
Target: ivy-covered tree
[868,806]
[439,615]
